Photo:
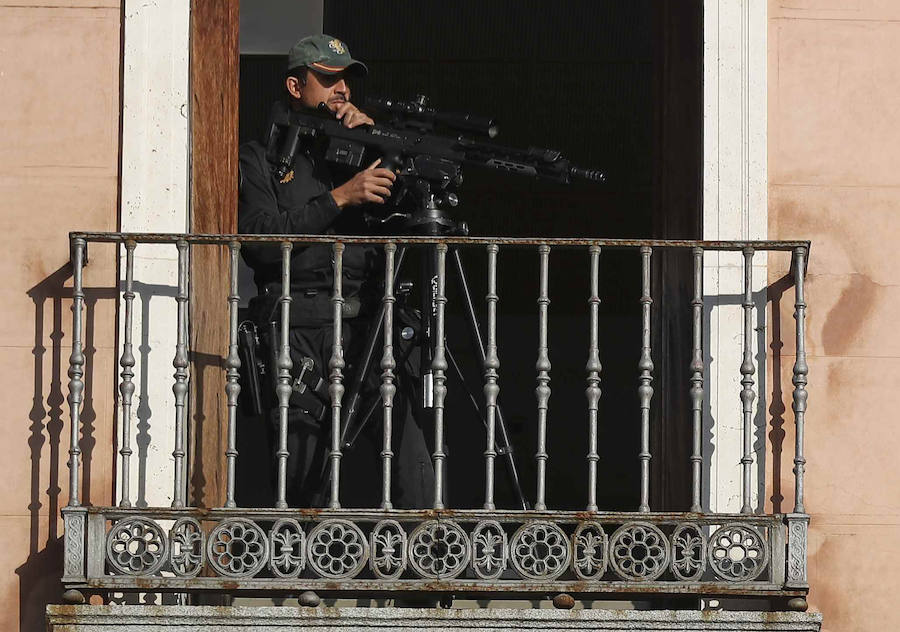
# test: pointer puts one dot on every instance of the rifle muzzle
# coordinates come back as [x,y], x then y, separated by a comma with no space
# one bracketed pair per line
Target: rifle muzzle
[594,175]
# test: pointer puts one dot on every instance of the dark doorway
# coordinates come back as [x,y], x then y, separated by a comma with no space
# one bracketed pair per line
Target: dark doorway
[614,86]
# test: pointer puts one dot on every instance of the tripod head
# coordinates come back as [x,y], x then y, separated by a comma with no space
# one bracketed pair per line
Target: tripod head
[426,212]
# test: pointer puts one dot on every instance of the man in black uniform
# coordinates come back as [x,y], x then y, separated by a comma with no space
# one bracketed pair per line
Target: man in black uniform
[315,197]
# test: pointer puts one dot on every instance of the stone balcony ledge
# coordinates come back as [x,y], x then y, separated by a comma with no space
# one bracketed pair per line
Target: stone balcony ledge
[325,619]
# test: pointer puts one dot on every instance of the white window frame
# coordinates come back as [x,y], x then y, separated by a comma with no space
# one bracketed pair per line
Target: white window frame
[735,207]
[155,197]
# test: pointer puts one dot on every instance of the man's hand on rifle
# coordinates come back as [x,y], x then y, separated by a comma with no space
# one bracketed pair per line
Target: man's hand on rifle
[373,184]
[351,116]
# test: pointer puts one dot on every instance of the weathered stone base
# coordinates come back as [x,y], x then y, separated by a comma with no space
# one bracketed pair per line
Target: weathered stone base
[234,619]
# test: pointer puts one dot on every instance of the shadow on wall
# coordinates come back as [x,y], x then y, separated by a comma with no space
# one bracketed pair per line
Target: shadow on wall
[205,371]
[760,376]
[39,576]
[143,411]
[777,407]
[145,403]
[205,485]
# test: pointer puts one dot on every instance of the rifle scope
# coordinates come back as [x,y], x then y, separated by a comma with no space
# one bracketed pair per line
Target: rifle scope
[417,110]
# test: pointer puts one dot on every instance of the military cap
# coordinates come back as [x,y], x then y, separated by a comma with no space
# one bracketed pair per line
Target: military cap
[325,54]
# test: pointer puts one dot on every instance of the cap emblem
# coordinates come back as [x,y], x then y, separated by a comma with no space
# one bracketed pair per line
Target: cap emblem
[337,46]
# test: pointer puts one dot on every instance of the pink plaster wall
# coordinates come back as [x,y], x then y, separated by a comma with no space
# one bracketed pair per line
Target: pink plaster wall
[59,115]
[834,178]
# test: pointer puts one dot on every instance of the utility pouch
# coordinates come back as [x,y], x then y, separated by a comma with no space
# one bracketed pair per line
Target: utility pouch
[309,391]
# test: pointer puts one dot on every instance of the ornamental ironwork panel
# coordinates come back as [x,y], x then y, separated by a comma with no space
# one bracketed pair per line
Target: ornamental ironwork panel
[237,548]
[688,552]
[639,551]
[186,552]
[337,549]
[348,550]
[439,549]
[589,550]
[540,550]
[490,549]
[737,552]
[387,549]
[136,546]
[287,548]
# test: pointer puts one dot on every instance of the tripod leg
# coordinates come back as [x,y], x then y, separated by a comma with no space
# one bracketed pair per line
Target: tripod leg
[502,450]
[504,446]
[428,286]
[472,399]
[352,401]
[362,370]
[352,434]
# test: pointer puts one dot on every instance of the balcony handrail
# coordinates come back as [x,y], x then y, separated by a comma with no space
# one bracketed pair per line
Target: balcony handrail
[225,239]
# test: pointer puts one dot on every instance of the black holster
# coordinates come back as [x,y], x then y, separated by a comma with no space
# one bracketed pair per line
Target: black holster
[253,369]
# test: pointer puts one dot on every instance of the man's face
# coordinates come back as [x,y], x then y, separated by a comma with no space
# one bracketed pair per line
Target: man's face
[332,90]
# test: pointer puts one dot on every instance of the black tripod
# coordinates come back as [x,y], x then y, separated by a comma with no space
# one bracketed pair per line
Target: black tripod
[429,219]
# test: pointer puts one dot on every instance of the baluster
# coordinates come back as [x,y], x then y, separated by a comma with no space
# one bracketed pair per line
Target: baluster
[127,362]
[801,370]
[645,390]
[388,364]
[542,391]
[336,377]
[283,389]
[491,375]
[696,368]
[747,371]
[232,375]
[76,368]
[438,369]
[180,387]
[593,377]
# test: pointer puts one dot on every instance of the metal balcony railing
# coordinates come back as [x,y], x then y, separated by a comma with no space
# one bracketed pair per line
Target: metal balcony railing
[487,551]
